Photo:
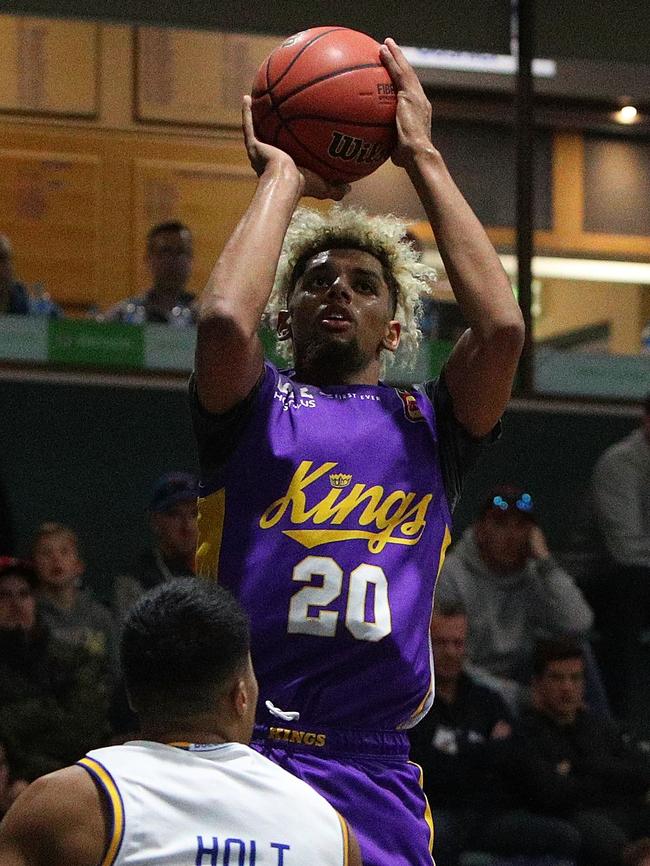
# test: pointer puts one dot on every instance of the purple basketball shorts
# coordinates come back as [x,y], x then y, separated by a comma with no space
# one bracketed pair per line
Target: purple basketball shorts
[368,779]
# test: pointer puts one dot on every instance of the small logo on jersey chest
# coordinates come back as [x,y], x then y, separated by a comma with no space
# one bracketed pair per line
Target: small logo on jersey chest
[411,409]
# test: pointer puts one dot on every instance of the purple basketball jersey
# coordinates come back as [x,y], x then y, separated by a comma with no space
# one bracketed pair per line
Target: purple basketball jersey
[329,522]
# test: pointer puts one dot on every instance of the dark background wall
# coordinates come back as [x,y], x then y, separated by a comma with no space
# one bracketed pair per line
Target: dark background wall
[87,455]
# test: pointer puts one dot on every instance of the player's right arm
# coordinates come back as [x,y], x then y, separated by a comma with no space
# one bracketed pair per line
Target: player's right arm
[58,821]
[228,351]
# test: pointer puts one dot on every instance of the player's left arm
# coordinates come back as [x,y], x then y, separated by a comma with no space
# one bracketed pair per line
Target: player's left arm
[57,821]
[482,366]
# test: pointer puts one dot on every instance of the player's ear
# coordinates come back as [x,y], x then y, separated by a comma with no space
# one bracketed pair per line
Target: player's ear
[284,325]
[390,340]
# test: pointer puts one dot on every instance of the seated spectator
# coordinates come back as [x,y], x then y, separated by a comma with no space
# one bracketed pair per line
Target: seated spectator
[169,257]
[576,766]
[172,519]
[70,611]
[503,574]
[638,853]
[53,698]
[10,786]
[463,746]
[15,298]
[14,295]
[620,492]
[620,588]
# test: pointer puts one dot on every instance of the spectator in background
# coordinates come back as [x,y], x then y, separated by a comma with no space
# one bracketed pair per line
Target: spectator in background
[620,587]
[576,766]
[169,258]
[464,748]
[53,698]
[14,295]
[172,520]
[15,298]
[70,611]
[502,573]
[638,853]
[620,488]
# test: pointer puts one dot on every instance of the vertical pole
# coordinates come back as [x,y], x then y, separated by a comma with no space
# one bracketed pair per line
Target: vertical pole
[524,136]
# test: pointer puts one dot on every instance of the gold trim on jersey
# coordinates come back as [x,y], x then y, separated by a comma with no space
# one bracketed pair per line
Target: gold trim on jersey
[446,541]
[212,514]
[116,808]
[346,839]
[428,817]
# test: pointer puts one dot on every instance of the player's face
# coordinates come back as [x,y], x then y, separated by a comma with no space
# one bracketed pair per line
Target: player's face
[448,636]
[170,259]
[504,539]
[341,313]
[559,691]
[17,603]
[56,560]
[176,530]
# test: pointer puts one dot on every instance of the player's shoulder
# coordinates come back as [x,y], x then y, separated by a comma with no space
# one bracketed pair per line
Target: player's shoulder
[57,819]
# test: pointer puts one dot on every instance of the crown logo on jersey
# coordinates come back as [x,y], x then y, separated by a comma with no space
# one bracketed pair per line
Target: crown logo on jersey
[339,480]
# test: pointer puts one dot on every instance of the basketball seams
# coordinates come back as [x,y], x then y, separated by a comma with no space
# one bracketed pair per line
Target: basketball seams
[292,62]
[327,77]
[370,124]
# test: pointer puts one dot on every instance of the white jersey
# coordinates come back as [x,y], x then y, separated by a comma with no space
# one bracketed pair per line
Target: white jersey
[214,805]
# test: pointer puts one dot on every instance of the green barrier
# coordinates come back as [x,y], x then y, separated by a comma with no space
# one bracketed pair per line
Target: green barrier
[95,344]
[113,345]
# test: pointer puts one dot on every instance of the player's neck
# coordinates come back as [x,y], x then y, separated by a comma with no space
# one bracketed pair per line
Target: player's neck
[325,376]
[184,735]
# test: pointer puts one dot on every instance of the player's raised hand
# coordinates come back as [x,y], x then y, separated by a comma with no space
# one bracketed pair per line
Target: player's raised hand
[413,107]
[261,155]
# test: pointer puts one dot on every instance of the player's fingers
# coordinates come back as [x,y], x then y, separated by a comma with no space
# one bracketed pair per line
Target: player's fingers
[389,62]
[395,58]
[247,121]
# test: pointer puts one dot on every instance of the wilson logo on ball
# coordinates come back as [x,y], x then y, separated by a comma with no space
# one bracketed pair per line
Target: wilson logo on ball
[349,148]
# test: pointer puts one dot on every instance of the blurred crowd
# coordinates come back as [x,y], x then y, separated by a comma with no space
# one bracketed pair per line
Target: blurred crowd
[169,256]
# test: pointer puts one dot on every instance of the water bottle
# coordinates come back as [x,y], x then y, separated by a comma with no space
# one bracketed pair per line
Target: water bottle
[40,303]
[134,314]
[180,317]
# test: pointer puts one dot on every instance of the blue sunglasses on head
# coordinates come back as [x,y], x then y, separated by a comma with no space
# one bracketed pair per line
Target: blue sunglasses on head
[524,503]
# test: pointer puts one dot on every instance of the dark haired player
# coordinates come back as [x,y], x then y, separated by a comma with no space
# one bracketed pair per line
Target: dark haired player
[190,791]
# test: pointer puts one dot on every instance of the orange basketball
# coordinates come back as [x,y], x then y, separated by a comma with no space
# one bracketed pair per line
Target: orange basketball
[325,97]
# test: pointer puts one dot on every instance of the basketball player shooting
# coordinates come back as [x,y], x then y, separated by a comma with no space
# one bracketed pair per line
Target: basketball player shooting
[327,496]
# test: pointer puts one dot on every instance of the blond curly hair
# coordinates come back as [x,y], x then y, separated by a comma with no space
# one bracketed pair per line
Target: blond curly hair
[312,231]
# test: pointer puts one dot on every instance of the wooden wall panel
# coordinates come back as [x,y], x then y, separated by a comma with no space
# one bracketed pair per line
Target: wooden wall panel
[49,67]
[195,78]
[50,204]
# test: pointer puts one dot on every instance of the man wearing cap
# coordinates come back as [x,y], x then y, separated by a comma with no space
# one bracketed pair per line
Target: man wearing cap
[503,574]
[172,520]
[53,700]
